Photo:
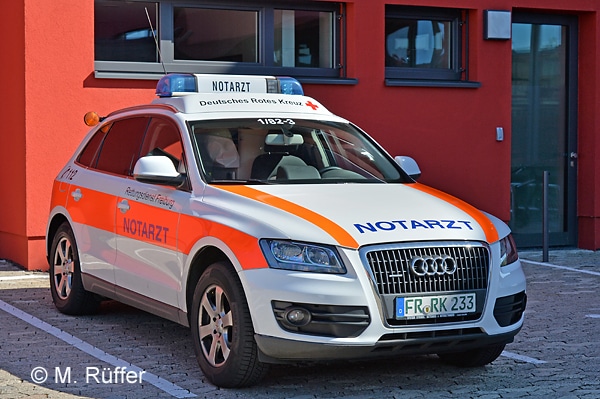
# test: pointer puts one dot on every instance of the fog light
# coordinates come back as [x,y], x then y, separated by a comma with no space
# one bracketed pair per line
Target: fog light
[297,317]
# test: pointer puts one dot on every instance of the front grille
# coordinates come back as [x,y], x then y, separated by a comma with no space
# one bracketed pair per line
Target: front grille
[392,274]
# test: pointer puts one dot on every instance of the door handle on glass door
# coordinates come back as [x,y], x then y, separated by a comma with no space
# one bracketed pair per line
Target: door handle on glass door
[573,157]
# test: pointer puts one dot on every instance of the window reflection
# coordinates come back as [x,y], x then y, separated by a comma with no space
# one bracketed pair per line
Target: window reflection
[122,31]
[303,38]
[539,127]
[216,35]
[227,37]
[417,43]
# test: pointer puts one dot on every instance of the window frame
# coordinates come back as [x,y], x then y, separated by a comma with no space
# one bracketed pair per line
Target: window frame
[265,9]
[94,146]
[457,74]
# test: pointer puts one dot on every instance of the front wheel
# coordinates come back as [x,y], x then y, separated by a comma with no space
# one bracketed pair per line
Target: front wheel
[473,358]
[222,330]
[66,286]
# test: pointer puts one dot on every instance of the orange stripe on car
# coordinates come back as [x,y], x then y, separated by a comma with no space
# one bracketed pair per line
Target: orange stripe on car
[148,223]
[92,208]
[334,230]
[244,246]
[169,225]
[161,227]
[491,234]
[59,194]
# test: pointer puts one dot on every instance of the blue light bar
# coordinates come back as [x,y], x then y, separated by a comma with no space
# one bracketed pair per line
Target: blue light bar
[175,83]
[289,85]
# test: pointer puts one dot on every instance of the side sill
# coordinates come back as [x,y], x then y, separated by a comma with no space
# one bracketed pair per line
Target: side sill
[109,290]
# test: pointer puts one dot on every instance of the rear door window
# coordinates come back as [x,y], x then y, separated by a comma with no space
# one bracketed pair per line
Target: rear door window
[121,147]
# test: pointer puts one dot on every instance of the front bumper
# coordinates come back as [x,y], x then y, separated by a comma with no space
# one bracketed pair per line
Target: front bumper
[353,320]
[279,350]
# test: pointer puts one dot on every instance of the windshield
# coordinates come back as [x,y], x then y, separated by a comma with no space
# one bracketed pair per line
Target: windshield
[271,150]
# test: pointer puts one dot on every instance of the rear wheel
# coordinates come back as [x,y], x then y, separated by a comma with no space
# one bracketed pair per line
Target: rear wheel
[66,286]
[473,358]
[222,330]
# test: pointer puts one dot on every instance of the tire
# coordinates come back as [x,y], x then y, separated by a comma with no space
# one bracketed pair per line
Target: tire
[222,330]
[66,286]
[473,358]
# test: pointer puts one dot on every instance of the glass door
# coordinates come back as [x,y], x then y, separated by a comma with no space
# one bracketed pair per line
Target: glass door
[544,125]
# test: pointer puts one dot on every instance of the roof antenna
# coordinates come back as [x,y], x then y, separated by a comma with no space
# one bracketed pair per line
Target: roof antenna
[155,41]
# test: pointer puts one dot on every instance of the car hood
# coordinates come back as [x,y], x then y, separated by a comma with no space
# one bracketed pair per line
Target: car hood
[353,215]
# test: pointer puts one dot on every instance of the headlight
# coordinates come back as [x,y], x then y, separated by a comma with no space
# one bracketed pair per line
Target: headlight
[508,251]
[290,255]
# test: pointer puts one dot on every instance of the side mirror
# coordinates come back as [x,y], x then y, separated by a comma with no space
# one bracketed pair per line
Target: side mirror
[157,169]
[409,165]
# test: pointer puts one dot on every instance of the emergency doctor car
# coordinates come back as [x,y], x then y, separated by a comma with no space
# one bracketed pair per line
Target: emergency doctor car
[278,232]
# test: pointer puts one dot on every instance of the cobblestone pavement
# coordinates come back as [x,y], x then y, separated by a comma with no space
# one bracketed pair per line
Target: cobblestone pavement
[556,355]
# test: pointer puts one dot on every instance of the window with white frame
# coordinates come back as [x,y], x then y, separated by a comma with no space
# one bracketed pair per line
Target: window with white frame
[424,44]
[299,38]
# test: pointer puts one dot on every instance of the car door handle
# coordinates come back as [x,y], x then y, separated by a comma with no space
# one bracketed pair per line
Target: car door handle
[77,195]
[123,206]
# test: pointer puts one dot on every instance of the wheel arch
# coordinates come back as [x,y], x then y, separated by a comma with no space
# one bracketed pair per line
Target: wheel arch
[57,220]
[202,259]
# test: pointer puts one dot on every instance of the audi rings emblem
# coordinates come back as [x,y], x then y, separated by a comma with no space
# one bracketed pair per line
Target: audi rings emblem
[432,265]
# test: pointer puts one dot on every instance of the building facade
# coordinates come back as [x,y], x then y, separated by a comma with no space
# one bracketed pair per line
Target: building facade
[486,96]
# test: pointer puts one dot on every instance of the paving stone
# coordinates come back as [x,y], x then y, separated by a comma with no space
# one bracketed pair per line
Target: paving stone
[559,329]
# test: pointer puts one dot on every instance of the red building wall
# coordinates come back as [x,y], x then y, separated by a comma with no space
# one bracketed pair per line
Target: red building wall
[13,212]
[49,84]
[588,196]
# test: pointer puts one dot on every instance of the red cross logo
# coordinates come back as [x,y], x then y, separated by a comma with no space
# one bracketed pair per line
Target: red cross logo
[313,106]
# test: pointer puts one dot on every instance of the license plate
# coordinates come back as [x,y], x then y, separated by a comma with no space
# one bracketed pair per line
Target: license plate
[435,306]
